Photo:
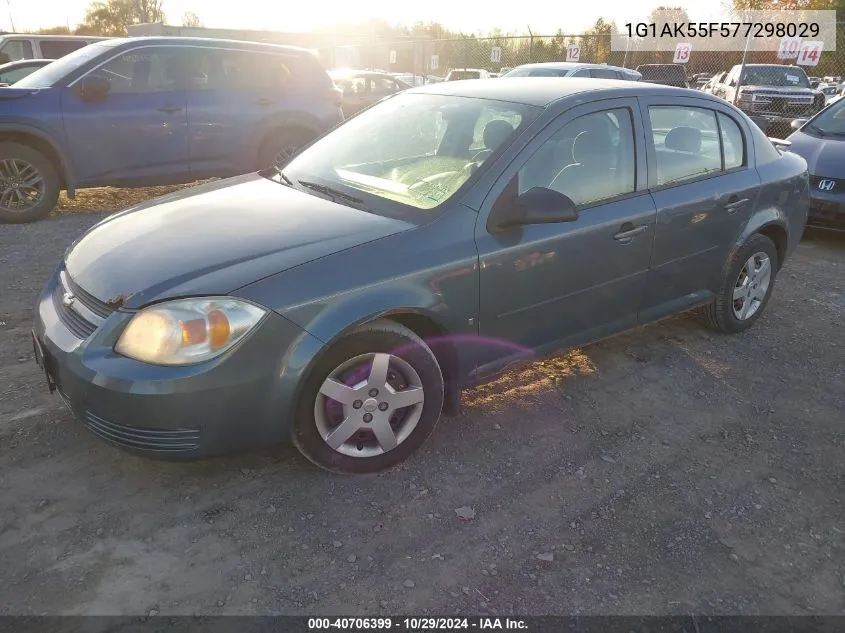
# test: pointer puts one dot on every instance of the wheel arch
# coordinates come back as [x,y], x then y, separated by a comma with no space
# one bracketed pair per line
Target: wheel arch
[426,326]
[42,143]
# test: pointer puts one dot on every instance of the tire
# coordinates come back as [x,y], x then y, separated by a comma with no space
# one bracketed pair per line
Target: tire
[409,425]
[724,314]
[288,140]
[18,162]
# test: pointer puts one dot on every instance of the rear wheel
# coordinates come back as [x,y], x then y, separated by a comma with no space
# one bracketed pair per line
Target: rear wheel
[282,145]
[29,185]
[372,400]
[746,288]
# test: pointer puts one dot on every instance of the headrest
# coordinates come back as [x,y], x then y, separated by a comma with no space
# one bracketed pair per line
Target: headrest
[684,139]
[496,132]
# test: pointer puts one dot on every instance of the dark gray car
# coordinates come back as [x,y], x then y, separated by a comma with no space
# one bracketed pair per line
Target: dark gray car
[422,246]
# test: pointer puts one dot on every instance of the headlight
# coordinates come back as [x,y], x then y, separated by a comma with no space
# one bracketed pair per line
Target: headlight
[187,331]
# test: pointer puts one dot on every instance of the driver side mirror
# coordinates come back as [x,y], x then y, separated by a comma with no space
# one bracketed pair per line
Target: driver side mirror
[797,123]
[538,205]
[94,89]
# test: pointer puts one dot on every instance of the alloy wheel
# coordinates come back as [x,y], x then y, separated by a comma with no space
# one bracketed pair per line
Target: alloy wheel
[21,185]
[369,405]
[751,286]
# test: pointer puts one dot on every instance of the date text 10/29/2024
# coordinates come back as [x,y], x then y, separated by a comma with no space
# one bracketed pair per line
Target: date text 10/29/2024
[414,624]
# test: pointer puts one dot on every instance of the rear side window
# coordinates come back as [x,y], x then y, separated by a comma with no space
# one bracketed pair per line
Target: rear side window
[686,143]
[245,70]
[604,73]
[54,49]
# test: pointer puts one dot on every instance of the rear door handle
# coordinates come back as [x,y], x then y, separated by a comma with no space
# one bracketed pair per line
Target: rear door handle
[734,205]
[628,234]
[170,109]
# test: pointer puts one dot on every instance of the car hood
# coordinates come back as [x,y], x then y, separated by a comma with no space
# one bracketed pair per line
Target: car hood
[213,239]
[824,156]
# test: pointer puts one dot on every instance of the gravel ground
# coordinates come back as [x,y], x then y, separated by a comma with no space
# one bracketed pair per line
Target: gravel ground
[667,470]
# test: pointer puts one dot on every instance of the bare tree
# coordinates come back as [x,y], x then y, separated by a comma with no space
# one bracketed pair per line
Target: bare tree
[191,20]
[111,17]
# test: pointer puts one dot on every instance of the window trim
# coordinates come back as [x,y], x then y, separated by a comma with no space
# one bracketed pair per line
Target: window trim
[689,102]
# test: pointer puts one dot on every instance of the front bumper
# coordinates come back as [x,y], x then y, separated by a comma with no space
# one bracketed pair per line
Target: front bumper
[827,211]
[241,399]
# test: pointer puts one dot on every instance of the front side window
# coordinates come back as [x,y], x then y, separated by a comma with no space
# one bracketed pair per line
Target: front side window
[155,69]
[413,149]
[589,159]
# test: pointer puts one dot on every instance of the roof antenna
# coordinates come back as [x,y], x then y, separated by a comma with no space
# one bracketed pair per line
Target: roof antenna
[11,19]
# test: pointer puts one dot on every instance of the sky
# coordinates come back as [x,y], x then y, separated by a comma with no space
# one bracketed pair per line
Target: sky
[542,16]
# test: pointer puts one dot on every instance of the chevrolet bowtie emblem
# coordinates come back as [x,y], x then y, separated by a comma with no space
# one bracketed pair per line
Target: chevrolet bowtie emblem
[68,299]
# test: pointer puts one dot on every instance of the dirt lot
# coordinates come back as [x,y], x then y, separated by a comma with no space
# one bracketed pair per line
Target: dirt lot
[667,470]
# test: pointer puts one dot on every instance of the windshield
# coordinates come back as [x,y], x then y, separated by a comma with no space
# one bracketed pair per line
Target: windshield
[414,149]
[830,122]
[52,73]
[782,76]
[457,75]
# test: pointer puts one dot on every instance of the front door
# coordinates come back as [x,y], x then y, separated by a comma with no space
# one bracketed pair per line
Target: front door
[547,285]
[139,131]
[704,192]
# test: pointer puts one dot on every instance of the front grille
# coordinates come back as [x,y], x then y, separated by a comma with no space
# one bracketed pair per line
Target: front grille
[143,439]
[85,313]
[73,321]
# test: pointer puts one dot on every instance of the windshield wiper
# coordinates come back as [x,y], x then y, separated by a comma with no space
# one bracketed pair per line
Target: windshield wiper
[330,192]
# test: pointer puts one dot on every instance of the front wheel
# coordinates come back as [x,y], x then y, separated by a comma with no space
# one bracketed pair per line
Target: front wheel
[746,287]
[372,400]
[29,185]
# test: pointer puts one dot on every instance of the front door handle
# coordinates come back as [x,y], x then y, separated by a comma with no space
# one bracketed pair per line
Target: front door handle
[628,232]
[170,109]
[735,204]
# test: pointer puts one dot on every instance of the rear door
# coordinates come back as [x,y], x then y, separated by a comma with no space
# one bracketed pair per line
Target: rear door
[704,191]
[563,283]
[138,133]
[235,99]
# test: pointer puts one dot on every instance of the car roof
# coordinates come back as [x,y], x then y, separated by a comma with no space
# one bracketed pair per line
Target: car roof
[212,42]
[543,91]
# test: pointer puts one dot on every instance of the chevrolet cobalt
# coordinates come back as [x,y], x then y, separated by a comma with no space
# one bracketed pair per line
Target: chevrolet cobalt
[344,299]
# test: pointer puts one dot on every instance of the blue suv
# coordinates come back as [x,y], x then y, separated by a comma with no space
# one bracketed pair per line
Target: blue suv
[155,111]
